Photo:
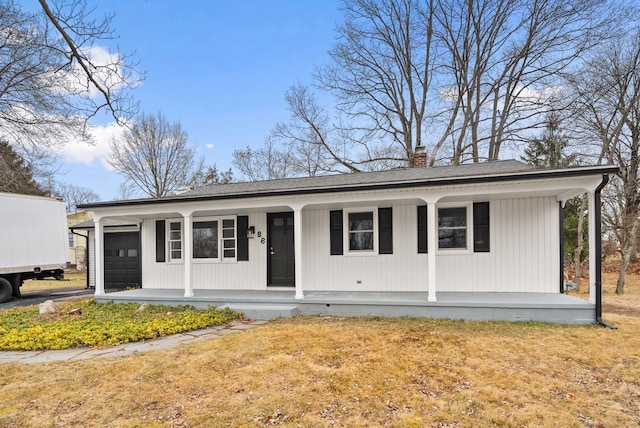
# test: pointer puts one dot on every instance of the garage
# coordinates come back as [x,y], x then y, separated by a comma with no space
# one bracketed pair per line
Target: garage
[122,260]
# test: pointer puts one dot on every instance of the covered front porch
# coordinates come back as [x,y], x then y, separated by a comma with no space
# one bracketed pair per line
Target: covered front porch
[270,304]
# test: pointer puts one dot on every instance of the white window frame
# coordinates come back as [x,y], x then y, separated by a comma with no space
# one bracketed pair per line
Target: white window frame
[345,221]
[221,257]
[469,228]
[168,240]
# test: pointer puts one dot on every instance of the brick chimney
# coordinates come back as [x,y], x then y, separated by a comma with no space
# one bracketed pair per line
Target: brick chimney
[419,157]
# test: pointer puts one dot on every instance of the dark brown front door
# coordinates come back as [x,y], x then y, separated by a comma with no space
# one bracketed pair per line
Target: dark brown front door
[280,250]
[122,260]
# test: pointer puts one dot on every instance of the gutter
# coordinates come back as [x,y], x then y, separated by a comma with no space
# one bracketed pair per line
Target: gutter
[598,250]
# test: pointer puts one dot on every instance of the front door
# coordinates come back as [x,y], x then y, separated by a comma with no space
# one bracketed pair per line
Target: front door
[122,260]
[280,250]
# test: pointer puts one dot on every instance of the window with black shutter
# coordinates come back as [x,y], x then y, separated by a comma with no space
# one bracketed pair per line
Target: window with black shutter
[422,229]
[243,240]
[335,232]
[481,234]
[160,241]
[385,231]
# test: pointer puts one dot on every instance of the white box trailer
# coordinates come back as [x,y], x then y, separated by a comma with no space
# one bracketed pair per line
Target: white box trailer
[34,241]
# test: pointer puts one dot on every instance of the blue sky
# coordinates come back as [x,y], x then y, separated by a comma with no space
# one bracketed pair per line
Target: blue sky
[219,67]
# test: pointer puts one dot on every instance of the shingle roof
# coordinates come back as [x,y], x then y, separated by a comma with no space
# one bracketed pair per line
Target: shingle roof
[404,177]
[363,178]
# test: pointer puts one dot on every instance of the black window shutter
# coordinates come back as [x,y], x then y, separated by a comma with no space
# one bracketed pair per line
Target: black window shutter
[481,227]
[160,239]
[242,225]
[335,232]
[385,231]
[422,229]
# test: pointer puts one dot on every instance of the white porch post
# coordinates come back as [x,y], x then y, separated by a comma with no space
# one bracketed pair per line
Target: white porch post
[592,245]
[297,240]
[99,256]
[187,254]
[432,247]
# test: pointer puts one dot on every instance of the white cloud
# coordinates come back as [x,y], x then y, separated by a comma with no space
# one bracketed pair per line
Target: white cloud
[84,153]
[210,146]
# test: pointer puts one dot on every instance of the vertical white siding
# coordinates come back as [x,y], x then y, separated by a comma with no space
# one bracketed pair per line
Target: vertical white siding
[404,270]
[524,253]
[524,257]
[249,275]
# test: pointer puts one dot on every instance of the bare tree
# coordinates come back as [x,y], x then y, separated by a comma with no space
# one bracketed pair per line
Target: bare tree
[54,77]
[125,191]
[74,195]
[609,115]
[154,155]
[463,78]
[381,73]
[265,163]
[207,175]
[506,59]
[111,79]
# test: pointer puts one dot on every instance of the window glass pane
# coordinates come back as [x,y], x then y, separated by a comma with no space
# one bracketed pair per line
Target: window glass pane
[361,221]
[175,240]
[229,254]
[452,217]
[228,233]
[229,243]
[452,238]
[361,241]
[278,221]
[227,224]
[132,252]
[205,240]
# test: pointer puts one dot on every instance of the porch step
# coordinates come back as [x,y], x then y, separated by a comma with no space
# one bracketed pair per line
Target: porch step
[263,311]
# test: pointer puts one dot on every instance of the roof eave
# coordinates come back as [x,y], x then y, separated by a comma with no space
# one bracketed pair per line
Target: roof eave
[435,182]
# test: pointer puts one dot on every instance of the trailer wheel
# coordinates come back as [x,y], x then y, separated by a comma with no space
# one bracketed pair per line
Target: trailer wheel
[5,290]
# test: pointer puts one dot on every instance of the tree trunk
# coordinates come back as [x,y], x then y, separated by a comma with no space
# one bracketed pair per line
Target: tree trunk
[626,255]
[577,257]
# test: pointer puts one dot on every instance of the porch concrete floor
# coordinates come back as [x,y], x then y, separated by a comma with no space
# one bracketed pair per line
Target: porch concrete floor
[545,307]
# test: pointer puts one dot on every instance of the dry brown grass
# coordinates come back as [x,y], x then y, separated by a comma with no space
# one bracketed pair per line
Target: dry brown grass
[316,371]
[72,279]
[612,303]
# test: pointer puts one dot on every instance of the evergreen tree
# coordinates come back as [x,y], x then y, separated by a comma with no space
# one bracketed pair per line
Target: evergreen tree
[550,149]
[16,175]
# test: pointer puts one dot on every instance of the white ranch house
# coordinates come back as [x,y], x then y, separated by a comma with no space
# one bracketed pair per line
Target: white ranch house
[479,241]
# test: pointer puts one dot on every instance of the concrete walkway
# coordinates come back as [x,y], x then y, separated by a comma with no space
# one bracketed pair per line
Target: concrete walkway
[161,343]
